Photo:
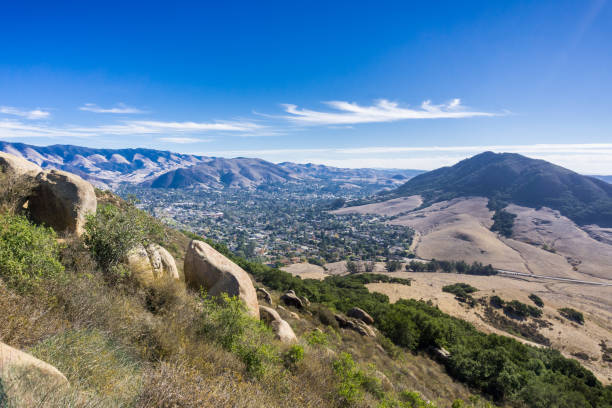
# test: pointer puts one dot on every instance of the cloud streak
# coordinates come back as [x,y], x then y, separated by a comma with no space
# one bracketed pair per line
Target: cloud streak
[27,114]
[120,109]
[349,113]
[19,129]
[183,140]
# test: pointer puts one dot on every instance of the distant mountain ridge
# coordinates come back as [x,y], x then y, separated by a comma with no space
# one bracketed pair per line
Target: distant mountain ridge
[104,167]
[109,168]
[513,178]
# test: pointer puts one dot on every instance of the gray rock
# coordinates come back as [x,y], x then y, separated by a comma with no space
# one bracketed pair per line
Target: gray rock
[62,200]
[281,328]
[265,295]
[291,299]
[360,314]
[206,268]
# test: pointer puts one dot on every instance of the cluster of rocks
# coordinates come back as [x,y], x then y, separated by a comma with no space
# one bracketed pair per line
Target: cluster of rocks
[357,320]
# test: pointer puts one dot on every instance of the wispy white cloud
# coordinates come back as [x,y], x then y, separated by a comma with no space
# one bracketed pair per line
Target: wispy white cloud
[28,114]
[183,140]
[348,113]
[119,108]
[18,129]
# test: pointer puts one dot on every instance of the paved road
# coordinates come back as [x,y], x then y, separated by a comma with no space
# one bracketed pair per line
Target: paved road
[527,275]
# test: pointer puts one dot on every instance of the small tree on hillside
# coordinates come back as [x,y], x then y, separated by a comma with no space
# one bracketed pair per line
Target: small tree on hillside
[112,232]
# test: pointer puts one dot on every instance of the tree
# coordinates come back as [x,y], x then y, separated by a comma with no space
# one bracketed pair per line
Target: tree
[112,232]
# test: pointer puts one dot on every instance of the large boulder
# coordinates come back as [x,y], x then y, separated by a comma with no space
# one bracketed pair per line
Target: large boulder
[360,314]
[281,328]
[207,268]
[151,263]
[162,262]
[18,166]
[62,200]
[15,365]
[264,295]
[291,299]
[17,180]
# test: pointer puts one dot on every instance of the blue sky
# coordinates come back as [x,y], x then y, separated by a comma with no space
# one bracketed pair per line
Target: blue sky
[353,84]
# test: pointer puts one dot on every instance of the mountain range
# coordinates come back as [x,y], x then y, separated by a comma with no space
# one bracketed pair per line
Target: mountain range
[513,178]
[109,168]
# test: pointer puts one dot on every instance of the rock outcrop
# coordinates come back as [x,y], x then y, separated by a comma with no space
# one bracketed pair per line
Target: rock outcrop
[291,299]
[151,263]
[56,198]
[14,364]
[355,325]
[360,314]
[264,295]
[62,200]
[281,328]
[18,166]
[207,268]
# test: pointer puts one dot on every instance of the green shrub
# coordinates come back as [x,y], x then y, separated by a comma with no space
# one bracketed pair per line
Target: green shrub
[28,253]
[572,314]
[496,302]
[520,310]
[293,356]
[112,232]
[325,316]
[350,379]
[393,265]
[225,321]
[537,300]
[316,338]
[461,290]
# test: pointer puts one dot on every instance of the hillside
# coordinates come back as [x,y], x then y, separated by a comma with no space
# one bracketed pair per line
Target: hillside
[516,179]
[246,173]
[115,314]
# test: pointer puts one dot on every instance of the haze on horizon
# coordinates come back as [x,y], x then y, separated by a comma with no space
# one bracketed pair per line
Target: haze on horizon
[397,85]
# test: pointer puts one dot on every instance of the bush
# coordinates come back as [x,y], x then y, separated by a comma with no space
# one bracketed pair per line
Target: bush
[520,310]
[572,314]
[325,316]
[460,290]
[537,300]
[112,232]
[28,253]
[393,265]
[293,356]
[225,321]
[496,302]
[350,379]
[316,338]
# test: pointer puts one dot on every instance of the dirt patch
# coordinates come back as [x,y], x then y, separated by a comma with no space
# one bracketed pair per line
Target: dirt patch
[548,229]
[306,271]
[389,208]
